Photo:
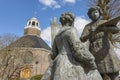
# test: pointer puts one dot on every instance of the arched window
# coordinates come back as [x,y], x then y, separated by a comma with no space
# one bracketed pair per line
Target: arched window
[29,23]
[28,57]
[33,23]
[37,24]
[25,73]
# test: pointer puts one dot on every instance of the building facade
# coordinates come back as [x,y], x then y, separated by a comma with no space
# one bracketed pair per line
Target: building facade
[26,57]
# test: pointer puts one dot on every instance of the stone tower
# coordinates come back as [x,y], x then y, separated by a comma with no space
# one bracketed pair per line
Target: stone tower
[54,29]
[32,27]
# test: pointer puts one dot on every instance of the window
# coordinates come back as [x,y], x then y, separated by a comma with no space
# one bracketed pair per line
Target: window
[28,57]
[33,23]
[37,24]
[29,23]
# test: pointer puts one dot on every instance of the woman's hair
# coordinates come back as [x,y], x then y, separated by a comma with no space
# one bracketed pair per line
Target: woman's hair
[66,18]
[90,10]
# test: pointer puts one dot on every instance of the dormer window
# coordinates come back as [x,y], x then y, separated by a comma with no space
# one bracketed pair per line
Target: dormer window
[33,23]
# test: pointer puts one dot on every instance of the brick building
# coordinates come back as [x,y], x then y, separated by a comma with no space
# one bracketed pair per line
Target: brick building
[26,57]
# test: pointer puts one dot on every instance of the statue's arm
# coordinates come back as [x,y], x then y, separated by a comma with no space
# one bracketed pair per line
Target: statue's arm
[113,29]
[54,50]
[80,52]
[85,34]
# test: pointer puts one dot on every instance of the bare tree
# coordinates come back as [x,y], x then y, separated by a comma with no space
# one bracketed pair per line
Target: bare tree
[8,68]
[110,8]
[11,61]
[6,39]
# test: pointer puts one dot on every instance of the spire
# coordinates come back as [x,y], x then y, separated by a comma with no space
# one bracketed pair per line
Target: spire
[55,26]
[32,27]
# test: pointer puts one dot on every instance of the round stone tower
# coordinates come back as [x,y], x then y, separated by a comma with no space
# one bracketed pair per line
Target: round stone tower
[32,27]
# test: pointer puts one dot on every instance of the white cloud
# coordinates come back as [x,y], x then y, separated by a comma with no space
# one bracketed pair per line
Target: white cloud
[79,24]
[46,35]
[44,8]
[69,1]
[50,3]
[117,50]
[55,4]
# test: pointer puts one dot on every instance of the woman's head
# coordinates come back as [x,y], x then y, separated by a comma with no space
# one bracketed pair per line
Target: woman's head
[67,18]
[94,13]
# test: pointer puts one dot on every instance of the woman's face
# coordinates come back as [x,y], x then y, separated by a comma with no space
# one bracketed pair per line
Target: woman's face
[95,15]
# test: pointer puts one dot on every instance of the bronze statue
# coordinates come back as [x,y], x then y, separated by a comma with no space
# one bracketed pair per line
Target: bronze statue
[71,59]
[98,33]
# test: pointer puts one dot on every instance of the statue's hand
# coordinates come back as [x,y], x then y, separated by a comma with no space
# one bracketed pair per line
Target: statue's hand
[93,65]
[52,57]
[93,28]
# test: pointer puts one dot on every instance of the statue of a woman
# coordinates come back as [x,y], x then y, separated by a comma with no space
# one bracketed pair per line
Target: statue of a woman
[71,60]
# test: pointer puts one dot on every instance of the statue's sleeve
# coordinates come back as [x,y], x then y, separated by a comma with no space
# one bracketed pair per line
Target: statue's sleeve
[54,50]
[80,52]
[113,29]
[85,34]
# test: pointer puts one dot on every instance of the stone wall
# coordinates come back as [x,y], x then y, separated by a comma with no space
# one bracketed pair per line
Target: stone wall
[23,62]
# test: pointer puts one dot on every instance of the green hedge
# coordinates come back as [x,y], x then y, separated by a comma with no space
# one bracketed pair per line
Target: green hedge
[37,77]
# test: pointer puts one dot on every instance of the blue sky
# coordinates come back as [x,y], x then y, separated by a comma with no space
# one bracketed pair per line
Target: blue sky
[15,13]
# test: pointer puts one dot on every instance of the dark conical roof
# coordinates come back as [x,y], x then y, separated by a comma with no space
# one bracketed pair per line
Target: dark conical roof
[30,41]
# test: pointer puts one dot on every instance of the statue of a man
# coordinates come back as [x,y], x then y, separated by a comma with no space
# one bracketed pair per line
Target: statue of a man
[100,44]
[71,60]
